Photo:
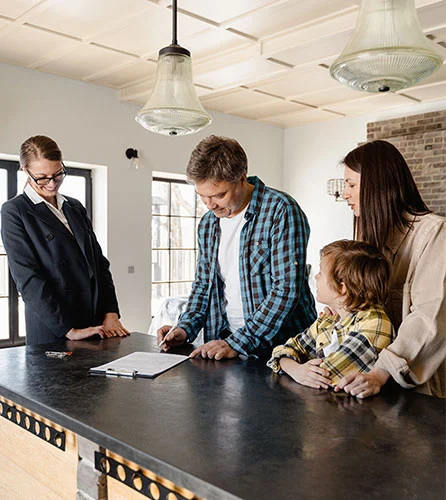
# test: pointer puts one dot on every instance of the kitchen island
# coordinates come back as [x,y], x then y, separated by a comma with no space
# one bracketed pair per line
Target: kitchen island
[205,430]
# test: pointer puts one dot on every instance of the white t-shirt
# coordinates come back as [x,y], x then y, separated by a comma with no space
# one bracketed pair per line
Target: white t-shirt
[228,260]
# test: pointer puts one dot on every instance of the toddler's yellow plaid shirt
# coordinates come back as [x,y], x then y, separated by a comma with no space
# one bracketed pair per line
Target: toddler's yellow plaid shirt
[361,336]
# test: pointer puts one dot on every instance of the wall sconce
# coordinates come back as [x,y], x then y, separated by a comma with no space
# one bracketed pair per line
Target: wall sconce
[132,155]
[335,187]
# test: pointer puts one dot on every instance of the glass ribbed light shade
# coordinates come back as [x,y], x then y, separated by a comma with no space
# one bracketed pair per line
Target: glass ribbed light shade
[387,51]
[173,108]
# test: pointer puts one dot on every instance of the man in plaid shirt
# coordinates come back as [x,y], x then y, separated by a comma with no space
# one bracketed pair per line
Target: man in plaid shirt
[251,285]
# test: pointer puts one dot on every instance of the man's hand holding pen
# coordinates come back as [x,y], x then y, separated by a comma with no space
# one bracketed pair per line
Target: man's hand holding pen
[170,336]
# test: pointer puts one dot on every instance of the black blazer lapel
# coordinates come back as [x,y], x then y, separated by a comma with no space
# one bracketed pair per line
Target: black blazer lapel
[43,213]
[80,231]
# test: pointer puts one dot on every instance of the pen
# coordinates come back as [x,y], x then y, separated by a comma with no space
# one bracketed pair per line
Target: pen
[164,339]
[121,372]
[58,354]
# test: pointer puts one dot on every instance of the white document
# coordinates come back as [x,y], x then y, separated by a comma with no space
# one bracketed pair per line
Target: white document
[140,364]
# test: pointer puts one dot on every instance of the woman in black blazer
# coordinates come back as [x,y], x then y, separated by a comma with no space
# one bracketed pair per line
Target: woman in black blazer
[54,257]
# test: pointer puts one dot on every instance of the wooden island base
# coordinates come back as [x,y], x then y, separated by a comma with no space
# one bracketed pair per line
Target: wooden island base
[41,460]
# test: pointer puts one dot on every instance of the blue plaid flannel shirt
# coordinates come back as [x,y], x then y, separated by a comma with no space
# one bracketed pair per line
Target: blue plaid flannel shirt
[277,301]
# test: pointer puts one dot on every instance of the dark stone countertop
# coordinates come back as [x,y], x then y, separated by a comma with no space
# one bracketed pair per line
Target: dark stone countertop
[233,429]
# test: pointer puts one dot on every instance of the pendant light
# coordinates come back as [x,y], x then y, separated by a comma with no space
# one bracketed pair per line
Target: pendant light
[387,51]
[173,108]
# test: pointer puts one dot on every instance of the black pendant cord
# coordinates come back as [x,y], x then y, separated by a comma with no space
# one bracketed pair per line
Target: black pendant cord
[174,23]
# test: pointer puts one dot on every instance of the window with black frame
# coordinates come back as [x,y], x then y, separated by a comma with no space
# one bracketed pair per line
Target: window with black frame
[176,212]
[77,184]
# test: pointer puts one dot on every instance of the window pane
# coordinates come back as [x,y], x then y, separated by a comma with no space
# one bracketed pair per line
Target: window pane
[197,222]
[182,265]
[21,179]
[174,227]
[160,232]
[4,276]
[4,318]
[183,199]
[3,197]
[160,265]
[160,198]
[178,289]
[201,207]
[159,293]
[3,186]
[75,186]
[182,232]
[22,325]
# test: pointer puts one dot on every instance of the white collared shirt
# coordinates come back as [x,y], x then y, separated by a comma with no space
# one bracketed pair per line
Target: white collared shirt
[58,212]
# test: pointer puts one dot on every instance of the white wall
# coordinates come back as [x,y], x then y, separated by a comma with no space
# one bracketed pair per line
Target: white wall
[91,126]
[311,156]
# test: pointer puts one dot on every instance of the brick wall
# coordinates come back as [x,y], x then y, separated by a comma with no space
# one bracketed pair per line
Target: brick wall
[422,141]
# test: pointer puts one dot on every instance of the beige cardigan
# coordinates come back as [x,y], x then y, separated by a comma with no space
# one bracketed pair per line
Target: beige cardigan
[417,307]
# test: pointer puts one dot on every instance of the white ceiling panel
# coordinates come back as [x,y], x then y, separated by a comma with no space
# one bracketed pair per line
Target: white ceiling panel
[201,91]
[271,108]
[87,60]
[235,99]
[82,18]
[211,42]
[335,94]
[239,74]
[431,93]
[127,74]
[26,45]
[301,117]
[299,81]
[369,103]
[432,15]
[16,8]
[285,15]
[439,33]
[150,31]
[219,11]
[316,50]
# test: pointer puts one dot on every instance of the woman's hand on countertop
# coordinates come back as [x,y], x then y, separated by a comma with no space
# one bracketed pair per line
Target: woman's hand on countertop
[113,326]
[85,333]
[363,385]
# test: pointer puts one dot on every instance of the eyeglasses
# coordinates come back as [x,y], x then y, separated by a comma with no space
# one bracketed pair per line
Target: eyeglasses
[43,181]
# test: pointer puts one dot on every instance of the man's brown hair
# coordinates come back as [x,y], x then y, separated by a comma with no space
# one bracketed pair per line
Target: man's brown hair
[362,268]
[217,158]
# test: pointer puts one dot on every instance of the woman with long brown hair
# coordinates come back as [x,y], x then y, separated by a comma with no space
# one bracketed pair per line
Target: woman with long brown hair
[390,213]
[54,257]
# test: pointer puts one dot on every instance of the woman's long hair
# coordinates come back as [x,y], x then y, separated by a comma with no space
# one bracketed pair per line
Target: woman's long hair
[387,192]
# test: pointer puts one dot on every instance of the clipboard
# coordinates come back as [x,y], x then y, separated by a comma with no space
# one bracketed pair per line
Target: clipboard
[139,365]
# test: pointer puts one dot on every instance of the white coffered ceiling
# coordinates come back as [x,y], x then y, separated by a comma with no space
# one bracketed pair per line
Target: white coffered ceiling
[265,60]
